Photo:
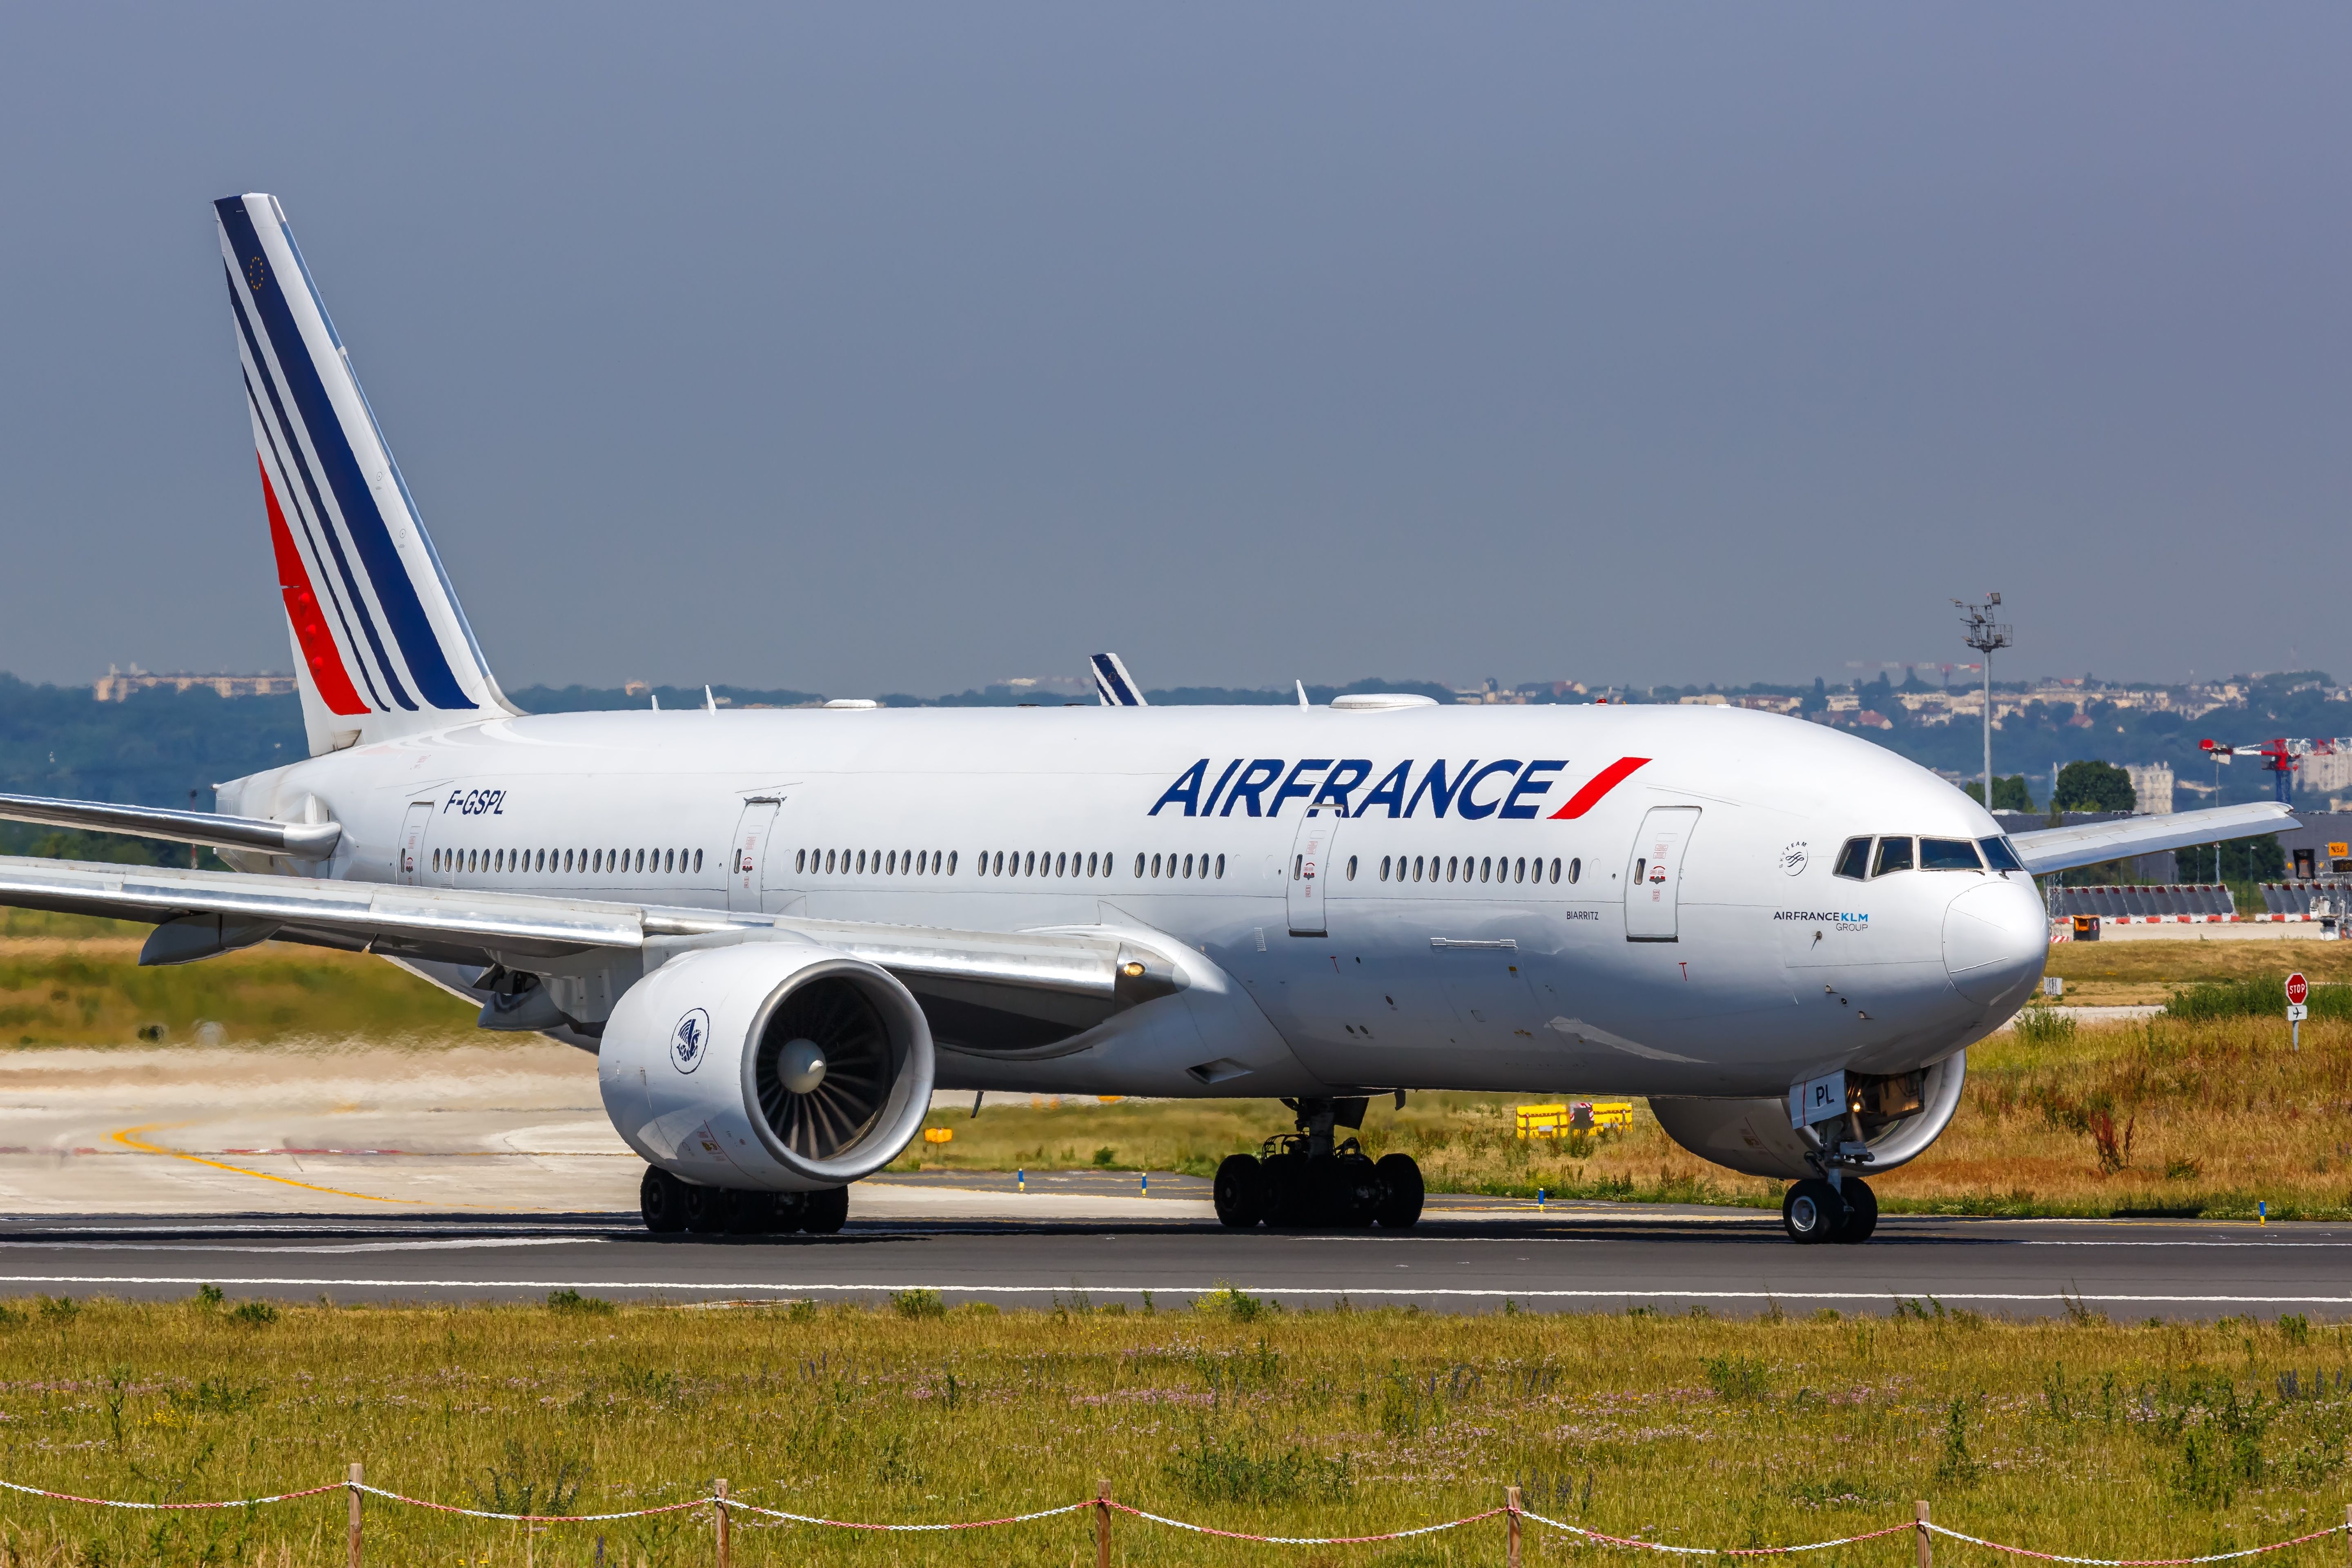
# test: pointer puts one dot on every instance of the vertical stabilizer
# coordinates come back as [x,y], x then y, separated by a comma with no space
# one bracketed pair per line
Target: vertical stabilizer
[1114,688]
[381,648]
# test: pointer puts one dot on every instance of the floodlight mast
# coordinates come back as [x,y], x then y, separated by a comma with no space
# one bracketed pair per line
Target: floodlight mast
[1984,634]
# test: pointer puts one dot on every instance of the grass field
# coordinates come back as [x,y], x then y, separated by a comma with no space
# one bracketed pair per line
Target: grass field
[2068,1436]
[2102,974]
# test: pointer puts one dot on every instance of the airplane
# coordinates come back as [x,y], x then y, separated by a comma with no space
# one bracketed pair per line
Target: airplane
[780,932]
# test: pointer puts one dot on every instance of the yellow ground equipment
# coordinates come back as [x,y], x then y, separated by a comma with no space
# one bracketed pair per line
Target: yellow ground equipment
[1582,1116]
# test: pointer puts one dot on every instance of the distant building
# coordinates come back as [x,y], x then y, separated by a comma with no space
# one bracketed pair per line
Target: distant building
[2322,846]
[2328,772]
[2151,788]
[117,685]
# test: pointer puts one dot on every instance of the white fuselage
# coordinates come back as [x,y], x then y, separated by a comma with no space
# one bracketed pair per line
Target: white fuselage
[1748,965]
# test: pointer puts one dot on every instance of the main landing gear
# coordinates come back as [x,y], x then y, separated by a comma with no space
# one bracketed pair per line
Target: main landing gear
[1814,1211]
[670,1205]
[1303,1180]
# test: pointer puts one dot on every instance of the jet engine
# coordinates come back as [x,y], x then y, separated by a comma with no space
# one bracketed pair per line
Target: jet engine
[767,1066]
[1901,1115]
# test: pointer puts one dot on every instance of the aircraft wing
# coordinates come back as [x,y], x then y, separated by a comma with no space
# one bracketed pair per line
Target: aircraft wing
[302,840]
[2060,848]
[1073,975]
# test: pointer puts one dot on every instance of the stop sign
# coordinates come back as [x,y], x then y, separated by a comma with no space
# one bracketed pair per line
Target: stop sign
[2297,988]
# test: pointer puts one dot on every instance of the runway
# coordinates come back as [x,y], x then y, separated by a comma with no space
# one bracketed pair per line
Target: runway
[1469,1255]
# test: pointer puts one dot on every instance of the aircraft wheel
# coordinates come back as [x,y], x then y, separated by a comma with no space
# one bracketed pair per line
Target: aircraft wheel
[1239,1192]
[825,1212]
[1352,1192]
[661,1201]
[751,1213]
[788,1210]
[1288,1183]
[1810,1212]
[708,1209]
[1861,1211]
[1400,1193]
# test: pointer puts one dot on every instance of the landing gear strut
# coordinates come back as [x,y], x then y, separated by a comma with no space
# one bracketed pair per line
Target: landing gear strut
[1305,1179]
[669,1205]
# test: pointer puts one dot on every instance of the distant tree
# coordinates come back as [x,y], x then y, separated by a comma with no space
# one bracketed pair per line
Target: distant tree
[2092,786]
[1816,700]
[2007,793]
[2243,861]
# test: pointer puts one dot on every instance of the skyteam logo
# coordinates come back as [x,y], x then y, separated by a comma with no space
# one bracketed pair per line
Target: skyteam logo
[691,1041]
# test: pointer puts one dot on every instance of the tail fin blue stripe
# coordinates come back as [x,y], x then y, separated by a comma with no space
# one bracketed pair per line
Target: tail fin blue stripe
[387,573]
[317,510]
[1112,685]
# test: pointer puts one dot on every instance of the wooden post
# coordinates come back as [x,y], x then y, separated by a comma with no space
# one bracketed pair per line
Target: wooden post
[1511,1518]
[1927,1551]
[718,1487]
[356,1475]
[1102,1524]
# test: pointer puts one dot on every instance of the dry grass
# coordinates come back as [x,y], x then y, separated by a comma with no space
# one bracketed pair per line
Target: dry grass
[2104,974]
[67,981]
[2070,1436]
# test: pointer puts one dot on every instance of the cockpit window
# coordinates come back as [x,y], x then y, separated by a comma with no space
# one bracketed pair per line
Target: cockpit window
[2000,856]
[1894,855]
[1853,860]
[1948,855]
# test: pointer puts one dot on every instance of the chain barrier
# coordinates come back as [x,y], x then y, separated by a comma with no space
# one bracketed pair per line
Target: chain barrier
[1719,1550]
[521,1518]
[1302,1539]
[718,1502]
[2141,1562]
[117,1502]
[739,1504]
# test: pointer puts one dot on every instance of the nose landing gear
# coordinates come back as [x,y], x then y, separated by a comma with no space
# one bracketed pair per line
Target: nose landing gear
[1304,1180]
[1814,1211]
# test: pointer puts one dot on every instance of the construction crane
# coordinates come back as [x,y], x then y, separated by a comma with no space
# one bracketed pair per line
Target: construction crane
[2280,757]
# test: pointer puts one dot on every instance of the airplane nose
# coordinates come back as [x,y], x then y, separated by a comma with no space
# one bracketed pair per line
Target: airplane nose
[1996,940]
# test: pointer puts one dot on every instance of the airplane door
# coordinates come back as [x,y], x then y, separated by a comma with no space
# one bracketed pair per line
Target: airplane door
[1310,863]
[411,868]
[1655,882]
[752,832]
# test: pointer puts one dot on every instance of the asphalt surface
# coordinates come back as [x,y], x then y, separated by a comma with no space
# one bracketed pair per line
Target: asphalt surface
[1468,1255]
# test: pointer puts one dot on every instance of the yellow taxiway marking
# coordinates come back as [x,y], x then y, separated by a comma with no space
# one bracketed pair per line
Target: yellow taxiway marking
[129,1138]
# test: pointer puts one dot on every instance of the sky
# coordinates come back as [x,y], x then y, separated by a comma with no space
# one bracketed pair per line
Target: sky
[908,348]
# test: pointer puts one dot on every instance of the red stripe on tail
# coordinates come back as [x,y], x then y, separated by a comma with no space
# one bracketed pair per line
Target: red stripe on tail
[311,629]
[1604,781]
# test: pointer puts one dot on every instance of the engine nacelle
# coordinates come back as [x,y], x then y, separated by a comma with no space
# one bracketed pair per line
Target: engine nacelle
[1754,1138]
[767,1066]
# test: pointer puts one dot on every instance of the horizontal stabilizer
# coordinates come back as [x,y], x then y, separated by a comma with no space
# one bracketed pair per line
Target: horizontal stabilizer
[301,840]
[2060,848]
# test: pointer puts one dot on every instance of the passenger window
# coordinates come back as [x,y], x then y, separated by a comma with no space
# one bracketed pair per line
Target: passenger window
[951,862]
[1948,855]
[1575,869]
[1298,867]
[1384,868]
[2000,856]
[697,859]
[1640,869]
[1061,865]
[1090,864]
[800,860]
[1220,866]
[1486,867]
[1894,855]
[1853,860]
[1416,867]
[1155,865]
[1452,862]
[1351,868]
